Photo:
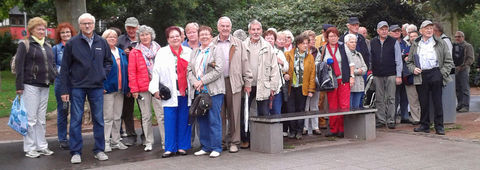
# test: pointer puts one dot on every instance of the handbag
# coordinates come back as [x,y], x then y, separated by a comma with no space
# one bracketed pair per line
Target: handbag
[18,120]
[325,79]
[200,106]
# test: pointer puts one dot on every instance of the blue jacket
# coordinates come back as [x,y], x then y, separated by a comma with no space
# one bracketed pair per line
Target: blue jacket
[57,55]
[111,83]
[84,66]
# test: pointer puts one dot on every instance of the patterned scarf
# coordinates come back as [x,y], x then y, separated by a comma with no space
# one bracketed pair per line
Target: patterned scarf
[298,68]
[149,55]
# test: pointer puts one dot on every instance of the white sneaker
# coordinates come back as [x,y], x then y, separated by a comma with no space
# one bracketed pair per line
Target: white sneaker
[45,151]
[120,146]
[76,159]
[214,154]
[108,148]
[101,156]
[32,154]
[148,147]
[200,152]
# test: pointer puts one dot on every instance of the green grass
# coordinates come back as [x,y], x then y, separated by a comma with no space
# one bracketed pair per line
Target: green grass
[7,94]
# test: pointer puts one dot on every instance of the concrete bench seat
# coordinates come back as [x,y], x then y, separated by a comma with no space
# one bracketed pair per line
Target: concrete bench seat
[266,131]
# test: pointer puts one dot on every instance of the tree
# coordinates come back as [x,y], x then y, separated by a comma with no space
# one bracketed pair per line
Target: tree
[69,10]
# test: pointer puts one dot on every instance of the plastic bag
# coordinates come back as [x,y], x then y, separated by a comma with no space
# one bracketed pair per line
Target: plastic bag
[18,120]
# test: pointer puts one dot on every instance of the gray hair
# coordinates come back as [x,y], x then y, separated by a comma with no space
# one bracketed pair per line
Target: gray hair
[108,32]
[254,21]
[348,37]
[192,25]
[86,16]
[405,26]
[273,29]
[461,33]
[240,34]
[225,18]
[146,29]
[411,28]
[288,33]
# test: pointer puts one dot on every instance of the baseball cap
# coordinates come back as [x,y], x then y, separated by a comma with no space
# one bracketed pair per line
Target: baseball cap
[382,24]
[326,26]
[425,23]
[131,22]
[394,27]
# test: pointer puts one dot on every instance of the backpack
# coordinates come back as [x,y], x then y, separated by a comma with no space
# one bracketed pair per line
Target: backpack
[12,62]
[458,54]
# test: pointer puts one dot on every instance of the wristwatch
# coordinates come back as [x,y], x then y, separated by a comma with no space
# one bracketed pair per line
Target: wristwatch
[352,76]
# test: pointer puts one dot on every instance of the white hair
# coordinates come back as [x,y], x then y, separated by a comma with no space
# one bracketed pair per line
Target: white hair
[192,25]
[272,29]
[288,33]
[225,18]
[348,37]
[254,21]
[404,26]
[108,32]
[146,29]
[411,28]
[461,33]
[86,16]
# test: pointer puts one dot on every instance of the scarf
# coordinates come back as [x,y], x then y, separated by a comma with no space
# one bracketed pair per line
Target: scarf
[39,41]
[336,67]
[181,65]
[149,55]
[298,67]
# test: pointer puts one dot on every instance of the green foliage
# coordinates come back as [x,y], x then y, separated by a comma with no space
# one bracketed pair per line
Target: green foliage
[469,25]
[7,50]
[6,6]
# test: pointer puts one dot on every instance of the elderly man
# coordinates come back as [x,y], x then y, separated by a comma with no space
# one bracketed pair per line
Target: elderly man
[237,75]
[86,61]
[387,69]
[126,42]
[263,63]
[363,31]
[430,61]
[191,29]
[401,93]
[463,58]
[353,25]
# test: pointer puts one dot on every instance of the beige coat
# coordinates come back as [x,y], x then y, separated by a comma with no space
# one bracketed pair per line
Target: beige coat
[267,69]
[239,71]
[213,77]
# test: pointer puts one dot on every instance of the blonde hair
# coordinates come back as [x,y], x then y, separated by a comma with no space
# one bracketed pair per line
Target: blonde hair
[34,22]
[108,32]
[309,33]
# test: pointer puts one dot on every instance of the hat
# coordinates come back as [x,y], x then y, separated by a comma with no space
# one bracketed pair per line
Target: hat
[382,24]
[353,20]
[131,22]
[326,26]
[425,23]
[394,27]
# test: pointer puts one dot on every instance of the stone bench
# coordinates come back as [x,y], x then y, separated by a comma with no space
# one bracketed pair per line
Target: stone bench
[266,131]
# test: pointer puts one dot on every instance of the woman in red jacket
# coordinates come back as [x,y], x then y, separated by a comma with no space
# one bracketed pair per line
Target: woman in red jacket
[140,66]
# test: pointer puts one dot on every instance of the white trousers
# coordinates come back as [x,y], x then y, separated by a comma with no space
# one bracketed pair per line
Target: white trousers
[312,105]
[146,108]
[112,113]
[35,100]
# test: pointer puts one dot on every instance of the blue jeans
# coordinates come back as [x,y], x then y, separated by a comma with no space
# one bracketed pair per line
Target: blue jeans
[95,97]
[277,104]
[177,131]
[356,100]
[62,114]
[211,126]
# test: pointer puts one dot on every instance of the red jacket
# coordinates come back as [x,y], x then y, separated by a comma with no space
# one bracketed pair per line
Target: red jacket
[138,79]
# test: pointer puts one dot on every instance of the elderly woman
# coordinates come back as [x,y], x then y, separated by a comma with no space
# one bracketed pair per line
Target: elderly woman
[140,73]
[205,71]
[63,33]
[35,72]
[360,68]
[339,98]
[191,29]
[271,37]
[288,41]
[115,86]
[170,69]
[301,72]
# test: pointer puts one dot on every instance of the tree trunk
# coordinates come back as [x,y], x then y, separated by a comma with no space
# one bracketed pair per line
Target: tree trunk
[449,21]
[70,10]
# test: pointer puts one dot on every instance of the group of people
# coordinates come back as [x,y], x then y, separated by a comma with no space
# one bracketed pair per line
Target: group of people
[272,68]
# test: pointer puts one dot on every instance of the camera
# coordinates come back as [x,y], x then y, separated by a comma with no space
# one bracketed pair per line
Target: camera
[140,97]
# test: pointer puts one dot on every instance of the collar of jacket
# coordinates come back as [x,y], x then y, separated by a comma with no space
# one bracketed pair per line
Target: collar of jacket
[231,37]
[435,38]
[263,42]
[96,37]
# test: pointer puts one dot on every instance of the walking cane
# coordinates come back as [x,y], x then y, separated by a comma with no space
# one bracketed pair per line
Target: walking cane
[246,109]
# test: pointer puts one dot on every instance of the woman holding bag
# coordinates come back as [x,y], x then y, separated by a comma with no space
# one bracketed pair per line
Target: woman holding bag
[205,71]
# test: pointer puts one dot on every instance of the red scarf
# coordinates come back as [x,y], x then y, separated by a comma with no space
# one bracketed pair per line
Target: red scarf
[336,68]
[181,71]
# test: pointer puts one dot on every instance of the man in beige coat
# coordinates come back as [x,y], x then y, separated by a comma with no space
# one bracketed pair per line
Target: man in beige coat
[237,75]
[263,63]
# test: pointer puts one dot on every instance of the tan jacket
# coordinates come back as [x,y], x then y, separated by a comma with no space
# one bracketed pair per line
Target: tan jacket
[239,71]
[267,69]
[308,84]
[213,77]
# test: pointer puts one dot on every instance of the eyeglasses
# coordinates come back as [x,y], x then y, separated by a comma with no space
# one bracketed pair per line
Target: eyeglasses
[66,32]
[458,36]
[87,23]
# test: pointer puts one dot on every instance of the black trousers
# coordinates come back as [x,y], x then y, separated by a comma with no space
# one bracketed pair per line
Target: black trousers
[262,110]
[432,83]
[296,103]
[127,115]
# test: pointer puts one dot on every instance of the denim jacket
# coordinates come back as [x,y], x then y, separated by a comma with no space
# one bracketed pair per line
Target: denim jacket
[58,54]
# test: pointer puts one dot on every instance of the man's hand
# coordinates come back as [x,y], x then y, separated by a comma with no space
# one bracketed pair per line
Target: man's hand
[248,90]
[398,80]
[127,51]
[65,98]
[20,92]
[272,92]
[417,71]
[406,58]
[287,77]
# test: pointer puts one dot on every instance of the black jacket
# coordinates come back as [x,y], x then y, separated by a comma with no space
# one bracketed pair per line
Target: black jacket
[361,47]
[33,67]
[383,57]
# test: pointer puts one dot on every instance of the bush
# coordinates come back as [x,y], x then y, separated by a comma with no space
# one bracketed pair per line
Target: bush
[7,50]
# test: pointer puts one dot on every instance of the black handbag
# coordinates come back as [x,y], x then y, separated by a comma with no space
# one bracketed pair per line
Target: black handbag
[164,92]
[200,106]
[324,80]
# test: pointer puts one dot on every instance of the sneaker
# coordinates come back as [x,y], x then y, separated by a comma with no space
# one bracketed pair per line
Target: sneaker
[214,154]
[148,147]
[285,134]
[76,159]
[45,151]
[108,148]
[298,136]
[32,154]
[101,156]
[317,132]
[233,149]
[200,152]
[463,110]
[64,145]
[120,146]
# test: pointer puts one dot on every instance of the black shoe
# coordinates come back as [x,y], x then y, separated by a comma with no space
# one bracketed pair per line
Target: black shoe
[330,134]
[64,145]
[167,154]
[298,136]
[415,122]
[406,121]
[440,131]
[291,135]
[317,132]
[422,129]
[130,140]
[341,135]
[379,125]
[182,152]
[391,125]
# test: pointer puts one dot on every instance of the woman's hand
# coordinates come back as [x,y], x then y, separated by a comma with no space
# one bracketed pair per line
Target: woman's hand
[198,85]
[135,95]
[287,77]
[279,61]
[352,81]
[157,95]
[20,92]
[310,94]
[417,71]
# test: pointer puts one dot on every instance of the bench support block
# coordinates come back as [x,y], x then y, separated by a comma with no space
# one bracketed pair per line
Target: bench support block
[360,126]
[266,137]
